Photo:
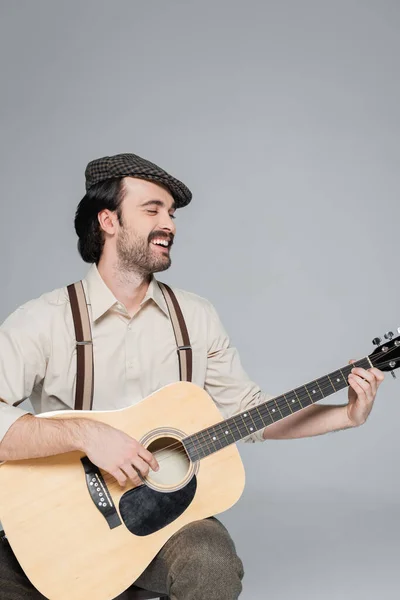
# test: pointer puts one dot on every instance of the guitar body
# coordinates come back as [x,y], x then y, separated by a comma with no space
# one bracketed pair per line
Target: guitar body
[77,534]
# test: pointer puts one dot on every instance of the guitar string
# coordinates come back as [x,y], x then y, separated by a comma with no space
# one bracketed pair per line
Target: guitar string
[283,403]
[280,404]
[207,444]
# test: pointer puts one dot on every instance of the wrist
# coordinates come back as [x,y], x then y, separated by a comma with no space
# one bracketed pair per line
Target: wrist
[79,433]
[350,422]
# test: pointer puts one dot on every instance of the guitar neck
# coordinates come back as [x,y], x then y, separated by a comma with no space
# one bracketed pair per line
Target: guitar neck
[214,438]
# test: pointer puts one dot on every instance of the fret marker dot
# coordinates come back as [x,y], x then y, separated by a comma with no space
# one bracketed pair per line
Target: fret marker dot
[251,429]
[214,439]
[293,401]
[273,410]
[338,379]
[245,415]
[313,391]
[226,432]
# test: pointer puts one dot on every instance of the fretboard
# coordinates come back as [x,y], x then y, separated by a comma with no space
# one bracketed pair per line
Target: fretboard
[224,433]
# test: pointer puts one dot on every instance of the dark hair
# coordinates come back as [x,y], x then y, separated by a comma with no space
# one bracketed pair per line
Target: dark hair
[106,194]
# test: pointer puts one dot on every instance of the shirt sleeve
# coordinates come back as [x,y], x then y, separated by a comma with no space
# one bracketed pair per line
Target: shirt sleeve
[226,381]
[22,363]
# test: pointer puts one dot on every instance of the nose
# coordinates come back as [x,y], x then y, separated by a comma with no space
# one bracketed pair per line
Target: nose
[167,223]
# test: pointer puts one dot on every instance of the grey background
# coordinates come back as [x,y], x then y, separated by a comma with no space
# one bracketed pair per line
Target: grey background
[283,118]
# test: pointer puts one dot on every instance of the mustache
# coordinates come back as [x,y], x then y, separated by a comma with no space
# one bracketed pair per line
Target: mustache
[161,235]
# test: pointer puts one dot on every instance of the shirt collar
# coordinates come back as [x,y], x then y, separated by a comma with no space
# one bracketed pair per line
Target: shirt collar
[154,293]
[102,299]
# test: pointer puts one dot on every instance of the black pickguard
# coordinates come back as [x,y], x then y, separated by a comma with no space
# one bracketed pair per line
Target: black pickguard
[145,511]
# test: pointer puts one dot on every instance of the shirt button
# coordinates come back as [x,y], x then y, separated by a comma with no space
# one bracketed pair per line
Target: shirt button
[129,327]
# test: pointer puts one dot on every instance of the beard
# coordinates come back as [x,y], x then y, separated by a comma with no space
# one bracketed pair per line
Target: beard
[138,254]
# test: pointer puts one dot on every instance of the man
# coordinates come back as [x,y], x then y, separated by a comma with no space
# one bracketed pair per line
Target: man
[125,225]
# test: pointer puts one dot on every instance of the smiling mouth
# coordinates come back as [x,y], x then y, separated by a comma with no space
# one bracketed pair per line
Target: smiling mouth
[162,249]
[161,243]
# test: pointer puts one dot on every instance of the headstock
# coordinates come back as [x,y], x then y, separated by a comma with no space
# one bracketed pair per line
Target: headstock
[386,357]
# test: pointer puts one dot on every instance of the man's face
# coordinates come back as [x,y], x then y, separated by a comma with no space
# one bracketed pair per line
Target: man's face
[145,237]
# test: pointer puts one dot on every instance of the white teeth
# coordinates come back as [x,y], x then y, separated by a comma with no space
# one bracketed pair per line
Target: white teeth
[160,242]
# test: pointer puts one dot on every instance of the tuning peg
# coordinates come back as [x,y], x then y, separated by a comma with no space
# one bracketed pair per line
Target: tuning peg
[393,374]
[398,330]
[388,335]
[376,341]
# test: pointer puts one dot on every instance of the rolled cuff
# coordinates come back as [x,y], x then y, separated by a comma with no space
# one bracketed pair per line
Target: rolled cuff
[8,416]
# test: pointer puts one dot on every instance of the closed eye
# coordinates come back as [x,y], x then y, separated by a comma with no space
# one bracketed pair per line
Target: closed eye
[155,212]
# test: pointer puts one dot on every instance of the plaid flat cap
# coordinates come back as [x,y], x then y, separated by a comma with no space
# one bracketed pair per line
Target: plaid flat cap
[131,165]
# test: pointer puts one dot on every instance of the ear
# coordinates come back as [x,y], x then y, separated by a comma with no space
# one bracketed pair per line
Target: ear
[108,221]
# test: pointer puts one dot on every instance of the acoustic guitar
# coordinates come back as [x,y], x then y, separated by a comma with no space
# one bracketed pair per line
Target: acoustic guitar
[78,535]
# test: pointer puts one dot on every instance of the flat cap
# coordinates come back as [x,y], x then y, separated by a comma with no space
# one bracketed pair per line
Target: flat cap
[131,165]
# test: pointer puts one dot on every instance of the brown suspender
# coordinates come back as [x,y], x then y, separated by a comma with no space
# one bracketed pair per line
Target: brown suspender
[84,347]
[84,344]
[181,333]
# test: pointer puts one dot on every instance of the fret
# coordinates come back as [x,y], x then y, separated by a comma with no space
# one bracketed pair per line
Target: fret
[319,387]
[303,397]
[273,415]
[189,447]
[314,392]
[252,425]
[203,446]
[259,422]
[198,446]
[288,403]
[243,426]
[239,433]
[244,419]
[330,381]
[257,418]
[296,393]
[283,406]
[227,435]
[339,380]
[194,447]
[345,375]
[265,407]
[293,400]
[326,387]
[222,435]
[364,363]
[274,409]
[212,442]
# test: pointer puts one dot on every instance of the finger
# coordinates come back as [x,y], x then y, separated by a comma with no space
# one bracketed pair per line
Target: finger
[351,361]
[363,386]
[378,374]
[363,373]
[119,476]
[149,458]
[367,376]
[357,388]
[141,466]
[131,473]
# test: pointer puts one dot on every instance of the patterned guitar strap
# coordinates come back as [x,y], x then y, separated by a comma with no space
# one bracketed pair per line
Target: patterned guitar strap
[84,343]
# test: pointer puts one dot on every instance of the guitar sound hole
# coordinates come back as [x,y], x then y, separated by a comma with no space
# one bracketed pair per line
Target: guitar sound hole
[173,462]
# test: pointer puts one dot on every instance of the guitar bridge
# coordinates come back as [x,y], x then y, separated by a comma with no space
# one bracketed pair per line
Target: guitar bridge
[99,493]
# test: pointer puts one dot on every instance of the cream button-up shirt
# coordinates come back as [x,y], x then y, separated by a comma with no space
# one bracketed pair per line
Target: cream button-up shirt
[133,357]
